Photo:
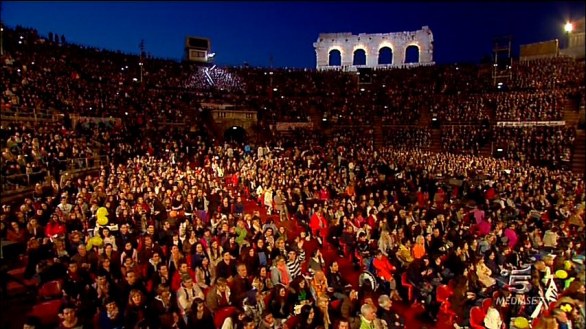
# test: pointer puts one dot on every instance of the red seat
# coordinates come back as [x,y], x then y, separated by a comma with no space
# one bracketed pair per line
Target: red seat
[47,312]
[336,305]
[222,314]
[51,290]
[267,299]
[144,270]
[486,303]
[20,287]
[292,322]
[17,272]
[477,318]
[407,286]
[446,315]
[442,293]
[446,309]
[149,286]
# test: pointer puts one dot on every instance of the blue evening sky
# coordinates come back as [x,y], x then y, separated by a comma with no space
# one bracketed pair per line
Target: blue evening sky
[254,32]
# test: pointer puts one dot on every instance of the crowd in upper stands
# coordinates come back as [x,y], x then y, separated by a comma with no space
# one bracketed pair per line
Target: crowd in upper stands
[530,106]
[465,139]
[268,233]
[407,137]
[548,73]
[544,145]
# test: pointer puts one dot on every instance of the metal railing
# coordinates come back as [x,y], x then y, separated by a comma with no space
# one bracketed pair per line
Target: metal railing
[28,114]
[73,164]
[22,181]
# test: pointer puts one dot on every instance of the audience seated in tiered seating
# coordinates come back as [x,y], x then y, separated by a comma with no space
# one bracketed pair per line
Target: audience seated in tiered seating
[538,145]
[465,139]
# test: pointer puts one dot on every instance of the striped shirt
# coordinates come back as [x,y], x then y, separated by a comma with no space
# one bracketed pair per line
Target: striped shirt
[295,265]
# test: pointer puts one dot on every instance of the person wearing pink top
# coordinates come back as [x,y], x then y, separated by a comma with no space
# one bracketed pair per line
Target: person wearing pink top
[511,235]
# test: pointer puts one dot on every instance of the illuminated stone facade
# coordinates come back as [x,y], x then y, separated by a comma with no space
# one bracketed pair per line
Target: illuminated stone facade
[373,45]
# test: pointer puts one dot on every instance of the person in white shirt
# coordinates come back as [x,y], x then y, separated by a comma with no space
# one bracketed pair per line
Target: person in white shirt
[493,320]
[186,295]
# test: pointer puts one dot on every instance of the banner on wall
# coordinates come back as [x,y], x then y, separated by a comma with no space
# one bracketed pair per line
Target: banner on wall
[530,123]
[284,126]
[544,49]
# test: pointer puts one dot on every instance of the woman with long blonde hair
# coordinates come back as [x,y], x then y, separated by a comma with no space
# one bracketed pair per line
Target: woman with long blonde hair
[385,242]
[323,312]
[418,250]
[319,284]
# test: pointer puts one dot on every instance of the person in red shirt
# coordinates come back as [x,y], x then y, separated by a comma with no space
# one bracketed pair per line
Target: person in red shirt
[318,225]
[324,194]
[15,233]
[384,270]
[371,220]
[55,227]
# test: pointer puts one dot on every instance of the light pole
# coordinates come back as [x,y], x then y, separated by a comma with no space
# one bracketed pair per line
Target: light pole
[569,27]
[1,32]
[141,63]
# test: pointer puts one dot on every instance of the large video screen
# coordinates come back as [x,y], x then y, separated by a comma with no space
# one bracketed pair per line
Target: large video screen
[199,43]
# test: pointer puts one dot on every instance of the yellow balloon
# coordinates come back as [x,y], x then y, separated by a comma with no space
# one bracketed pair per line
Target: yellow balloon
[89,246]
[102,220]
[102,211]
[561,274]
[521,323]
[96,241]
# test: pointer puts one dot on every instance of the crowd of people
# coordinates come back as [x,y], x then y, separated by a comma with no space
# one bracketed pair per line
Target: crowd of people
[465,139]
[548,73]
[530,106]
[33,150]
[464,109]
[407,137]
[180,234]
[213,77]
[540,145]
[179,230]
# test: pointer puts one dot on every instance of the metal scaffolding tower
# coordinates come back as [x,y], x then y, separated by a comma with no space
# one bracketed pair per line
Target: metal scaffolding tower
[502,69]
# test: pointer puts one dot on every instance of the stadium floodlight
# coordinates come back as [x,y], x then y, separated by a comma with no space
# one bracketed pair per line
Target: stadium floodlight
[569,27]
[211,55]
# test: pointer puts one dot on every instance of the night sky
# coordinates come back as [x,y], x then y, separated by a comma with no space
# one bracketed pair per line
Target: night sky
[255,32]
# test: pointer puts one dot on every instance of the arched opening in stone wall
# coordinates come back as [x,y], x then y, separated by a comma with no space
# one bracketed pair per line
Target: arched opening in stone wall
[235,134]
[412,54]
[359,57]
[385,56]
[335,58]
